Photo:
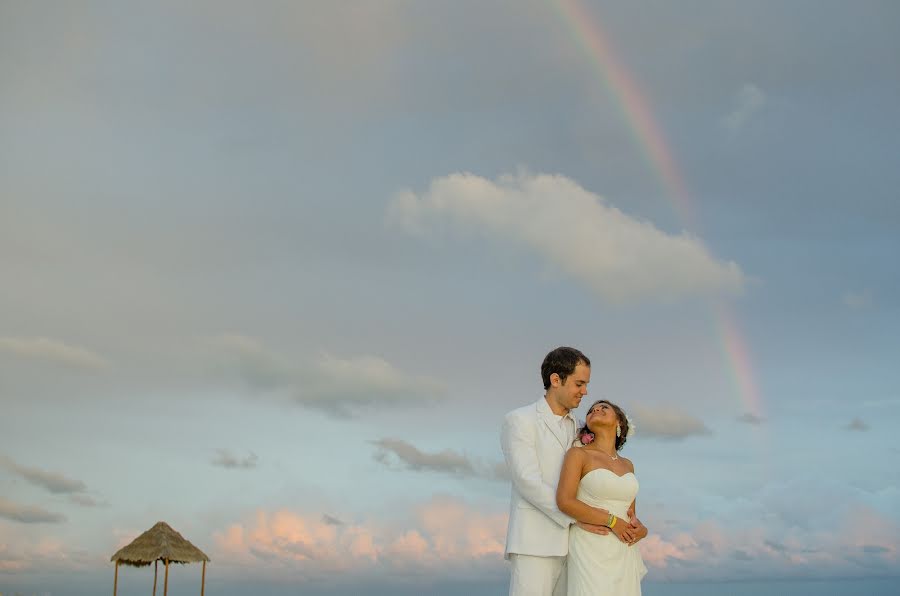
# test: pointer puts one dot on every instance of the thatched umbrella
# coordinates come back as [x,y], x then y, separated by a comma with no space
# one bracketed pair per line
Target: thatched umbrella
[159,543]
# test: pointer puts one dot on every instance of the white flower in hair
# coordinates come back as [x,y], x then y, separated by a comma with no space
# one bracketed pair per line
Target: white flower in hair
[631,427]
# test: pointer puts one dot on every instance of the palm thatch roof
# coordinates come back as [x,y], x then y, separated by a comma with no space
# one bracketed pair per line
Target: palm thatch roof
[159,543]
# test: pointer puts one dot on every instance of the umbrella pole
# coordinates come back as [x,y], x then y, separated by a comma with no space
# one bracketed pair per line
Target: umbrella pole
[203,580]
[155,568]
[166,584]
[116,580]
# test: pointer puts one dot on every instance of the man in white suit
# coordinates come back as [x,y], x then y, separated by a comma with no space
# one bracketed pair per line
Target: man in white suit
[534,441]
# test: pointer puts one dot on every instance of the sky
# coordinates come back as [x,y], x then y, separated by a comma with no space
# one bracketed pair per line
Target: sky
[274,273]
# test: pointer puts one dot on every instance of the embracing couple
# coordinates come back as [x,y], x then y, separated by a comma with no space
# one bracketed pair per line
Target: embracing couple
[572,524]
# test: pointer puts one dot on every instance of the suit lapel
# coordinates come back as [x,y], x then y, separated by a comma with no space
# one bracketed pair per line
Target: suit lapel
[552,422]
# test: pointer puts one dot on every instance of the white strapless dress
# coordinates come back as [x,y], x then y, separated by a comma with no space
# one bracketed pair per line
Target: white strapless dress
[604,565]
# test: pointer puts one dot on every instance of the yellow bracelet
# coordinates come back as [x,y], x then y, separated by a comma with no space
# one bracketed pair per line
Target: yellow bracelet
[613,524]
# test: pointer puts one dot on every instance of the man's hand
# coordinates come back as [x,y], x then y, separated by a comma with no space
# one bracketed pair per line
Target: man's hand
[602,530]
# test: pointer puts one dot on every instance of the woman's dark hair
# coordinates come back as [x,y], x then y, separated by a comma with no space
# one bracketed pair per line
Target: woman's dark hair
[561,361]
[623,422]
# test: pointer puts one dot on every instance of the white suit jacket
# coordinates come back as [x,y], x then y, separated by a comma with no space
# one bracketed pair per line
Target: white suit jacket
[534,445]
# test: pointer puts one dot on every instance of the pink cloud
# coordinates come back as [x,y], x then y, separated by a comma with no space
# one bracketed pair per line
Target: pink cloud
[44,554]
[865,542]
[657,551]
[443,535]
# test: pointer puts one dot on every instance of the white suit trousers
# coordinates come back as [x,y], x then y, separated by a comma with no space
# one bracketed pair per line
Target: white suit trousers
[537,576]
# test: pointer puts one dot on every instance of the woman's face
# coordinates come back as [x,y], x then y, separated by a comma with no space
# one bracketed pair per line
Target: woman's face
[601,414]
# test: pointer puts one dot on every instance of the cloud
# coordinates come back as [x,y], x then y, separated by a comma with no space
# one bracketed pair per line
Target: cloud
[225,459]
[331,521]
[52,350]
[27,514]
[874,548]
[858,300]
[250,360]
[751,418]
[750,100]
[573,231]
[444,462]
[333,384]
[86,501]
[444,536]
[734,553]
[27,552]
[857,425]
[667,423]
[791,542]
[55,483]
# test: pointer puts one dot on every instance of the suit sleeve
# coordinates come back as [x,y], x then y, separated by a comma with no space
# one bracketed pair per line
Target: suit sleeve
[518,444]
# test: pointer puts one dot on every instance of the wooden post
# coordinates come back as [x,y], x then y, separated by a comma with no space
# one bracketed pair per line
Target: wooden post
[166,581]
[116,580]
[155,569]
[203,580]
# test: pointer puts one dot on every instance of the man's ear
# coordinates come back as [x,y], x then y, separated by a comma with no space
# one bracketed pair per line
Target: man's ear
[555,380]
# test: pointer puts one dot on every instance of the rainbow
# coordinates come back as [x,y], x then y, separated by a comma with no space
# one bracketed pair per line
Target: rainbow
[649,137]
[631,103]
[738,358]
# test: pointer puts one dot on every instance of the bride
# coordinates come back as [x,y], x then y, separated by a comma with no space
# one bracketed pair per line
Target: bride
[595,476]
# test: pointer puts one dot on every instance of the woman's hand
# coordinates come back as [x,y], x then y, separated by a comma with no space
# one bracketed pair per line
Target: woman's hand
[638,530]
[629,533]
[623,530]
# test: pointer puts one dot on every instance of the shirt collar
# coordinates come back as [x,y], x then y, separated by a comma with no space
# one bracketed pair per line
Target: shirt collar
[545,407]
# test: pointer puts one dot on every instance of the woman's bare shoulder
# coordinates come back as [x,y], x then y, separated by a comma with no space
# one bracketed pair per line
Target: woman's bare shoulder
[575,453]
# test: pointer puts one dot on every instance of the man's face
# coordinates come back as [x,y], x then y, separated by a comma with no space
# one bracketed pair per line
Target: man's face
[568,394]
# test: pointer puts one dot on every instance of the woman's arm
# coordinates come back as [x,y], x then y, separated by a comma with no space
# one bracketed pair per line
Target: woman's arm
[569,478]
[638,529]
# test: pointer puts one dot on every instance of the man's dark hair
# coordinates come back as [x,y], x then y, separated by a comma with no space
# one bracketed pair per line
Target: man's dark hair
[561,361]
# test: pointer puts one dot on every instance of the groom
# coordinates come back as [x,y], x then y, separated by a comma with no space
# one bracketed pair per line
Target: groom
[534,439]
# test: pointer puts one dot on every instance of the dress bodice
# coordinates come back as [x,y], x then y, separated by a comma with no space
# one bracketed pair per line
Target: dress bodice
[603,564]
[605,489]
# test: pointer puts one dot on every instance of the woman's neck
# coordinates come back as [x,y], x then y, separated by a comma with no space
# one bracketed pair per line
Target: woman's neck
[604,440]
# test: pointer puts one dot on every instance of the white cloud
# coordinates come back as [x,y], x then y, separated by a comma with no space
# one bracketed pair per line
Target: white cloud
[443,462]
[750,100]
[331,383]
[52,350]
[573,231]
[667,423]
